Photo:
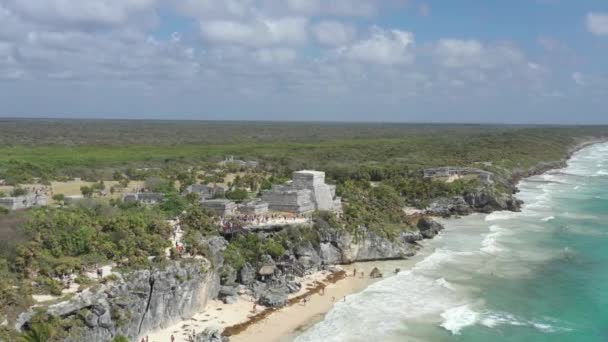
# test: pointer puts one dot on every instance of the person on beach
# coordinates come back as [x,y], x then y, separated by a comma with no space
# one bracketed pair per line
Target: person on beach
[354,272]
[255,307]
[172,338]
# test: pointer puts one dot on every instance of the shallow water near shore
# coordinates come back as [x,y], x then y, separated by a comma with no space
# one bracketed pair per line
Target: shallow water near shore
[537,275]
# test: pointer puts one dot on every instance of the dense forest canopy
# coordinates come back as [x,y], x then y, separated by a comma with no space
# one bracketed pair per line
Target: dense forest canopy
[52,149]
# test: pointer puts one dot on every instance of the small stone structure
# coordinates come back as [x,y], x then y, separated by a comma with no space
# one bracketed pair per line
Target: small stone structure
[148,198]
[206,191]
[306,193]
[245,163]
[256,207]
[72,199]
[453,173]
[23,202]
[221,207]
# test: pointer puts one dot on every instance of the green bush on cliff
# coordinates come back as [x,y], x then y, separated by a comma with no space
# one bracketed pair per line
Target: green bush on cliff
[250,248]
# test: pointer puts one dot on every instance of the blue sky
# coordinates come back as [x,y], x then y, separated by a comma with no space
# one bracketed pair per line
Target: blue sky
[520,61]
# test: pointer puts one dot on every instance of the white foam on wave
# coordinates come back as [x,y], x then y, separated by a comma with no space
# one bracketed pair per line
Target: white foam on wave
[547,219]
[501,215]
[457,318]
[494,319]
[445,283]
[380,310]
[437,258]
[490,242]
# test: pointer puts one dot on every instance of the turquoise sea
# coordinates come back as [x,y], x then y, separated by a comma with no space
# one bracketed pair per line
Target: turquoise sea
[537,275]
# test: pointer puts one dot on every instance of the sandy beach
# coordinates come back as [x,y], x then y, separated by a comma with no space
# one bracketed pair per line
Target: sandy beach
[284,324]
[219,315]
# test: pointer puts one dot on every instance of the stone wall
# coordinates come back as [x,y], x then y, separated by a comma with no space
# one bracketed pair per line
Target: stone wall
[289,200]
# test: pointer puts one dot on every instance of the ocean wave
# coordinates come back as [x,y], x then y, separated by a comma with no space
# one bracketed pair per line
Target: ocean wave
[494,319]
[547,219]
[490,242]
[445,283]
[380,310]
[501,215]
[457,318]
[437,258]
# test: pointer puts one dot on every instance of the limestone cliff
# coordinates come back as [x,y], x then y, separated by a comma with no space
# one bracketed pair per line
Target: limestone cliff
[141,302]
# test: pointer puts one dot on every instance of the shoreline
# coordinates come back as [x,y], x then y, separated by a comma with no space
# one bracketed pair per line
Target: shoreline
[322,289]
[286,323]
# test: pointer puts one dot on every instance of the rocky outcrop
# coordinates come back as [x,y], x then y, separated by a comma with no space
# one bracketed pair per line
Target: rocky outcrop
[274,297]
[483,200]
[210,334]
[375,273]
[143,301]
[429,228]
[342,247]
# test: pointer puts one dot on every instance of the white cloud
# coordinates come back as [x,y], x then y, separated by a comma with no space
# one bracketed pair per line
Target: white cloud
[215,8]
[597,23]
[257,33]
[454,53]
[382,47]
[275,56]
[82,12]
[578,78]
[355,8]
[333,33]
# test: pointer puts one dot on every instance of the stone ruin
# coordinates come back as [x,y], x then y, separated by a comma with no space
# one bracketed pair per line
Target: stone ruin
[254,207]
[221,207]
[23,202]
[206,192]
[148,198]
[307,192]
[453,173]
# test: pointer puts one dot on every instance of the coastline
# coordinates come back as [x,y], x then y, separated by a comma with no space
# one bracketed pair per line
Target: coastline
[240,324]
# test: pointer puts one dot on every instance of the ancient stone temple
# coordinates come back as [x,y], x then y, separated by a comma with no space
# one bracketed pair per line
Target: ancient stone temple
[255,207]
[306,193]
[221,207]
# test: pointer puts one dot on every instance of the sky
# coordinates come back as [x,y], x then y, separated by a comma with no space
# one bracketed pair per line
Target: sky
[486,61]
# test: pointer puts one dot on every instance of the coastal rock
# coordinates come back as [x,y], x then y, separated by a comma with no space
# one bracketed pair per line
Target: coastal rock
[273,298]
[228,275]
[307,256]
[247,274]
[429,228]
[294,286]
[211,334]
[227,291]
[375,273]
[329,254]
[341,247]
[143,301]
[213,249]
[449,206]
[230,299]
[259,288]
[487,201]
